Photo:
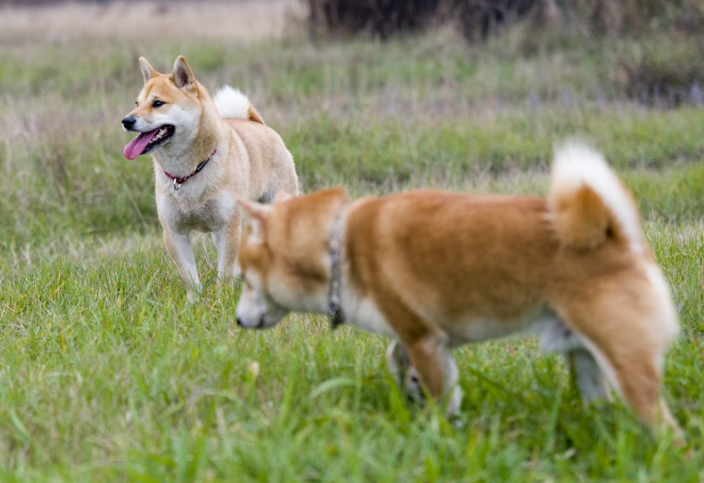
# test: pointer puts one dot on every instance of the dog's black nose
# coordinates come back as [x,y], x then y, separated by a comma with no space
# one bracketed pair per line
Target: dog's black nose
[239,322]
[128,122]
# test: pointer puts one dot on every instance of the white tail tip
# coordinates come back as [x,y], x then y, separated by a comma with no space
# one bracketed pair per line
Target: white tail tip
[231,103]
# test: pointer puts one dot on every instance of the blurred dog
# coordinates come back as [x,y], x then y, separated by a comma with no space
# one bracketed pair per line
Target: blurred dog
[436,270]
[206,154]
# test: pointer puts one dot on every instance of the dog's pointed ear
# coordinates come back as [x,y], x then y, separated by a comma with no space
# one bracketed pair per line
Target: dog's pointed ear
[148,71]
[182,74]
[256,215]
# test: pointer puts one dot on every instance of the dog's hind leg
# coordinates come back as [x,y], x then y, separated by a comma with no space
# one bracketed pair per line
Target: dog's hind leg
[556,336]
[635,372]
[587,376]
[627,325]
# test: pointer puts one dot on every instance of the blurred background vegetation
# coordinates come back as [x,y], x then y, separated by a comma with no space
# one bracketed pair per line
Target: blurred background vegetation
[651,76]
[378,95]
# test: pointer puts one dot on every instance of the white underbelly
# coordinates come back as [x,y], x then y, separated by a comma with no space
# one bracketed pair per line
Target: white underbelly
[553,333]
[541,322]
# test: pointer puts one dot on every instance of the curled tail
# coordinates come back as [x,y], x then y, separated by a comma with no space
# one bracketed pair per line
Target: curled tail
[588,203]
[231,103]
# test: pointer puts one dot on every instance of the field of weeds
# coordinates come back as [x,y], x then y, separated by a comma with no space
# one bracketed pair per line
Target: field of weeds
[108,374]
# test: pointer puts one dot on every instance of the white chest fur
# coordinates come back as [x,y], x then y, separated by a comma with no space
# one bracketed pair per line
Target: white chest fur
[182,213]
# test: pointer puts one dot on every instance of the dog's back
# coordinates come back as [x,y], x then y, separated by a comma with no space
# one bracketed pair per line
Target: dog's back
[270,162]
[451,257]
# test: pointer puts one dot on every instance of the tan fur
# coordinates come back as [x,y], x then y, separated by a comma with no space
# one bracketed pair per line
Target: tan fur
[436,270]
[581,220]
[250,161]
[254,116]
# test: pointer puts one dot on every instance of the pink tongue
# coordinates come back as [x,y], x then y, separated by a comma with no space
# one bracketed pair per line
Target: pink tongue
[138,144]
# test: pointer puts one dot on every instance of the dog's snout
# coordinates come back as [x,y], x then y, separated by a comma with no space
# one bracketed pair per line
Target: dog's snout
[239,321]
[128,122]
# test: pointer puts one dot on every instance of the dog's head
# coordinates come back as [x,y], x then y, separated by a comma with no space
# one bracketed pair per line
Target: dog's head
[168,109]
[284,259]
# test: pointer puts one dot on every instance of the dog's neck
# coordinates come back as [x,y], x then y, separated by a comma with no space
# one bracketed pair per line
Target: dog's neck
[335,312]
[182,157]
[179,180]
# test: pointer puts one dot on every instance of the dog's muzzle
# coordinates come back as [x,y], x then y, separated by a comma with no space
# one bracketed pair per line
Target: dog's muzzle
[128,123]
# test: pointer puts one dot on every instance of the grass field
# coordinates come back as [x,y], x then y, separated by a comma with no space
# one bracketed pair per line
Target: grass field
[108,374]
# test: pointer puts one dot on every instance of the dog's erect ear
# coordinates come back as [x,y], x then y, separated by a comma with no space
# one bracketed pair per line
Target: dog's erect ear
[256,214]
[183,75]
[148,71]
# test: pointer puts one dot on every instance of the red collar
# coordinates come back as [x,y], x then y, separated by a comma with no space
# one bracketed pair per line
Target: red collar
[179,180]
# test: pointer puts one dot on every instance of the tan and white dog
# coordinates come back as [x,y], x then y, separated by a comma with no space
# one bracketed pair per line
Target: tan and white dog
[435,270]
[206,154]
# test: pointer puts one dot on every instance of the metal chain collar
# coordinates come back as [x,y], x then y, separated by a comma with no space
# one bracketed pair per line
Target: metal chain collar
[335,314]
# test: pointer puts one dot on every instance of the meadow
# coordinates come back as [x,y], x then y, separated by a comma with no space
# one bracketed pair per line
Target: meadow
[108,374]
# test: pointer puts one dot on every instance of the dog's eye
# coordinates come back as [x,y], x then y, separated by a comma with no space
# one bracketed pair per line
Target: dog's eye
[157,104]
[136,103]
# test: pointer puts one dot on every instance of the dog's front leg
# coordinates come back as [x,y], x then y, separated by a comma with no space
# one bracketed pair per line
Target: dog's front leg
[431,358]
[405,375]
[397,361]
[181,251]
[227,243]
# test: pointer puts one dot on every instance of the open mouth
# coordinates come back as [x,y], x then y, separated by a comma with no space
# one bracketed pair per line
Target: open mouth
[147,142]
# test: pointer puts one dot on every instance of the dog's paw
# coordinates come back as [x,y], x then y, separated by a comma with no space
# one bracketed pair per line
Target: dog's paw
[413,387]
[397,362]
[193,295]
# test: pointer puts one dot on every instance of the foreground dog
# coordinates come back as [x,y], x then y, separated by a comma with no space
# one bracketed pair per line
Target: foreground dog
[206,154]
[436,270]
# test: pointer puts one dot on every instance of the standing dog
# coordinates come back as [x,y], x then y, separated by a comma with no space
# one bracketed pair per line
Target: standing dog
[206,154]
[437,270]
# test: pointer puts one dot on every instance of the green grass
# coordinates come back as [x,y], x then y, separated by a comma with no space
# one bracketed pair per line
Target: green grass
[108,374]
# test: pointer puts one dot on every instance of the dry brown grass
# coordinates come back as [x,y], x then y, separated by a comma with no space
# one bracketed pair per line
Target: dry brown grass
[244,20]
